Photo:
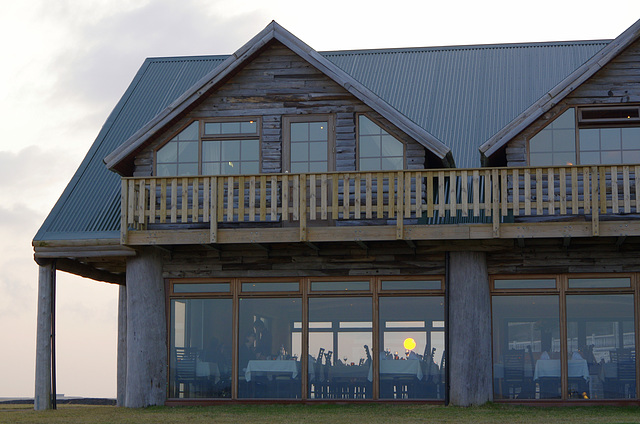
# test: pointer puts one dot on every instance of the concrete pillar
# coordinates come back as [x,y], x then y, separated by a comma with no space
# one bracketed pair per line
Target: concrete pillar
[146,331]
[469,330]
[122,346]
[42,399]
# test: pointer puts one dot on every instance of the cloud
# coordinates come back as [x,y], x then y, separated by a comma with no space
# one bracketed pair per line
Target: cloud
[107,51]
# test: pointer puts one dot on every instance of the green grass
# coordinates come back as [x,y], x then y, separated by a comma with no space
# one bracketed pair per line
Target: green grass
[334,414]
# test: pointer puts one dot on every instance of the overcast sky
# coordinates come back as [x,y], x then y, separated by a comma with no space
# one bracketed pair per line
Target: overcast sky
[67,62]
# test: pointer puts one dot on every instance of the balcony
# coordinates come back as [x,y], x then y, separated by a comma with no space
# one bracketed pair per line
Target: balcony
[445,204]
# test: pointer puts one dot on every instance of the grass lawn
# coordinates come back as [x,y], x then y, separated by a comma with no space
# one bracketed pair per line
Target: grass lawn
[334,414]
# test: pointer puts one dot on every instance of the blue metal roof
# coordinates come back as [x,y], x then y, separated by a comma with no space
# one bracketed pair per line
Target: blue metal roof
[462,95]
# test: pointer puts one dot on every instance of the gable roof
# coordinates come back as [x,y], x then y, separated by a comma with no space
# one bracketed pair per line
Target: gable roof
[561,90]
[117,160]
[483,87]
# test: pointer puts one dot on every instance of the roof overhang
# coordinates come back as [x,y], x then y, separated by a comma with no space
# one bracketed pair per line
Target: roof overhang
[560,91]
[120,160]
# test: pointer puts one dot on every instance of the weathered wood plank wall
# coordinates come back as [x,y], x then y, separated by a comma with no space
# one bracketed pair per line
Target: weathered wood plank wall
[618,82]
[278,83]
[398,258]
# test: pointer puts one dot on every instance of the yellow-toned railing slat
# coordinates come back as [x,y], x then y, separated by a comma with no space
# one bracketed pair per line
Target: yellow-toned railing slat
[391,195]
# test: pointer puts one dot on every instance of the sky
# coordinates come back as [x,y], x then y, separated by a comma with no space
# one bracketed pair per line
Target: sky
[66,63]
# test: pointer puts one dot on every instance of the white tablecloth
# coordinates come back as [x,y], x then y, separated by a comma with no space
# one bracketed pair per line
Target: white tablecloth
[399,367]
[262,367]
[207,369]
[551,368]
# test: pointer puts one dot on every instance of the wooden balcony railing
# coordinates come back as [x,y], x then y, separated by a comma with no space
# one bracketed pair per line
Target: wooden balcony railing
[489,195]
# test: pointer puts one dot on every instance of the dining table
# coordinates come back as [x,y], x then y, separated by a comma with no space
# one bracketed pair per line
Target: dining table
[269,368]
[399,367]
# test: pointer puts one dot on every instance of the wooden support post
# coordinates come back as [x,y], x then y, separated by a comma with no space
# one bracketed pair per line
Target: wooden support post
[595,219]
[146,381]
[469,325]
[44,338]
[121,385]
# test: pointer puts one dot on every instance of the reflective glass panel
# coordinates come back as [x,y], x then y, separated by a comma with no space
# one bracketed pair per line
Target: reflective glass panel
[267,287]
[412,285]
[377,149]
[556,143]
[200,348]
[601,346]
[526,347]
[339,285]
[269,348]
[576,283]
[340,356]
[309,147]
[200,287]
[411,364]
[549,283]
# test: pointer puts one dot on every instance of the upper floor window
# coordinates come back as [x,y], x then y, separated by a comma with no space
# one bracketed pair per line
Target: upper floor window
[308,143]
[607,135]
[212,148]
[378,150]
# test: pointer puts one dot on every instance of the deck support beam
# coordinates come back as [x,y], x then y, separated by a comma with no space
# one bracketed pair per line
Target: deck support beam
[146,379]
[469,327]
[121,389]
[44,336]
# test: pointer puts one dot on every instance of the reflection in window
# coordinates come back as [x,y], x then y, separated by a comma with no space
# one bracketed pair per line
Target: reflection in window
[609,145]
[526,347]
[340,363]
[411,328]
[180,155]
[309,144]
[200,348]
[269,348]
[225,148]
[601,346]
[556,143]
[378,150]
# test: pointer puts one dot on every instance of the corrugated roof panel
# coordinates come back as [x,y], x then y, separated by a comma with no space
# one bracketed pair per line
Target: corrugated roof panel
[461,95]
[464,95]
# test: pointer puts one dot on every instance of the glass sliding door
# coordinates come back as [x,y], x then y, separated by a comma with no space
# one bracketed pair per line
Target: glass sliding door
[526,347]
[411,331]
[601,346]
[268,348]
[340,348]
[200,348]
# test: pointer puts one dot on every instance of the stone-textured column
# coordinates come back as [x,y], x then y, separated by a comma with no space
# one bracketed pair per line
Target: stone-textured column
[42,399]
[146,331]
[122,346]
[469,330]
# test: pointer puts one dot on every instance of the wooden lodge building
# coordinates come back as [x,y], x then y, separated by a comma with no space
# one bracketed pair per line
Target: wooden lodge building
[447,224]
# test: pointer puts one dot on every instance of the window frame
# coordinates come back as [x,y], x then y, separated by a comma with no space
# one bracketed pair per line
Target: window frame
[287,120]
[384,128]
[206,137]
[581,123]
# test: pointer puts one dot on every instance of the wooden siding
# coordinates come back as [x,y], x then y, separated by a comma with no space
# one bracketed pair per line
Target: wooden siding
[277,83]
[618,82]
[398,259]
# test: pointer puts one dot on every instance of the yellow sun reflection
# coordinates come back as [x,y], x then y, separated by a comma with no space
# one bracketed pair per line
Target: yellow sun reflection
[409,343]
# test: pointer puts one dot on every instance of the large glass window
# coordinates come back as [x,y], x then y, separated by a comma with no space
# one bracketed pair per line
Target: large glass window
[556,143]
[601,346]
[212,148]
[526,347]
[378,150]
[308,143]
[607,135]
[411,337]
[268,352]
[200,348]
[340,348]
